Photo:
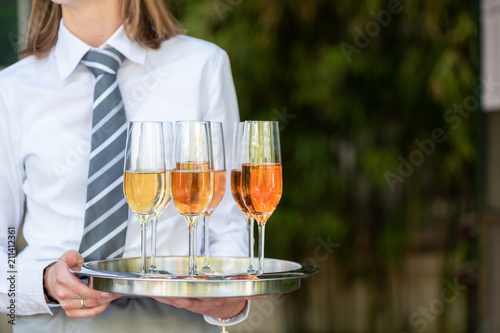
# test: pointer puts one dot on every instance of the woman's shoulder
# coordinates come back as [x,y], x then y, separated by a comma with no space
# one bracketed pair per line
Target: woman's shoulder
[16,78]
[24,71]
[24,65]
[183,44]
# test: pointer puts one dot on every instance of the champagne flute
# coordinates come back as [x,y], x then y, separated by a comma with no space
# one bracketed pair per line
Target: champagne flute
[261,174]
[167,197]
[219,168]
[193,176]
[144,179]
[236,191]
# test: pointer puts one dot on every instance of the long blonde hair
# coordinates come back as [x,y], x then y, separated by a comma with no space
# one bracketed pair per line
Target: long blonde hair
[147,22]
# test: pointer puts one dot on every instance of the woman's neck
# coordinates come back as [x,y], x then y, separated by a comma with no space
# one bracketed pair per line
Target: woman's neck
[92,21]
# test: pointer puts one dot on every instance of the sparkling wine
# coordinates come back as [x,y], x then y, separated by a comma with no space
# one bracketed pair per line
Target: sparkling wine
[261,188]
[236,192]
[192,191]
[193,166]
[144,191]
[167,193]
[219,190]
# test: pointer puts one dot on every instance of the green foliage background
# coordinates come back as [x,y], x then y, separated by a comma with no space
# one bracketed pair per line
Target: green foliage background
[353,101]
[347,119]
[8,32]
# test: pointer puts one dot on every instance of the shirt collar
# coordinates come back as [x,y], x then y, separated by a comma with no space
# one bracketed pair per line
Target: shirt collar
[69,50]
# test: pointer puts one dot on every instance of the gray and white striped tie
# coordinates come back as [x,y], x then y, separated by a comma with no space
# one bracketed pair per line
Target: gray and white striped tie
[106,211]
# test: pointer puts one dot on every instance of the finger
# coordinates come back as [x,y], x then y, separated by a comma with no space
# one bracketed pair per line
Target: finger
[71,282]
[70,300]
[185,303]
[223,307]
[77,303]
[96,296]
[205,307]
[86,313]
[73,288]
[214,302]
[62,274]
[73,259]
[167,301]
[96,302]
[231,299]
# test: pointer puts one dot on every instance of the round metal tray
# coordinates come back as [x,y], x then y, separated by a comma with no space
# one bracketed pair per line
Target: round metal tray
[231,279]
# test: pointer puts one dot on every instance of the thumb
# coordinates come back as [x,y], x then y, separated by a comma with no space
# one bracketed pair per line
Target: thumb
[73,259]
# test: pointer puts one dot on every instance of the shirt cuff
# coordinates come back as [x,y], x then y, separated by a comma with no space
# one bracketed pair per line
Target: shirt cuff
[30,298]
[230,321]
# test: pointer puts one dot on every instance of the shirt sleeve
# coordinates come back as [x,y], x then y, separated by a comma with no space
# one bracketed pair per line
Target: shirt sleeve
[21,290]
[228,228]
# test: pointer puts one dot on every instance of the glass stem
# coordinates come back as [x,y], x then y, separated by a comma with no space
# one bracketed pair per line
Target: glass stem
[192,249]
[262,229]
[206,243]
[144,238]
[251,268]
[152,266]
[223,325]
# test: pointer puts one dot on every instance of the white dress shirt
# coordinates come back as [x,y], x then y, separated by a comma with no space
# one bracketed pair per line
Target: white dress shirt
[45,133]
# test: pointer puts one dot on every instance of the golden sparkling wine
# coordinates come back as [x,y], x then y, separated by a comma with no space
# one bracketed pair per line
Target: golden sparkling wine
[219,190]
[167,193]
[192,166]
[144,191]
[261,188]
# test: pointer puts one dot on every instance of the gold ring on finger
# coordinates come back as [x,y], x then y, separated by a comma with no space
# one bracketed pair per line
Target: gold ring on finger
[81,302]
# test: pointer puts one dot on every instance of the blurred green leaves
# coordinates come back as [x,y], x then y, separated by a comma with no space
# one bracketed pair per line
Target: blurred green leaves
[8,33]
[353,118]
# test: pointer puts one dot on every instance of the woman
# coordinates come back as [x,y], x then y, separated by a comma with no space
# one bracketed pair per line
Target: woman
[46,102]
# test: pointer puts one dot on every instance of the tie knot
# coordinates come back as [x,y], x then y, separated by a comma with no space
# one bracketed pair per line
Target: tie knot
[103,61]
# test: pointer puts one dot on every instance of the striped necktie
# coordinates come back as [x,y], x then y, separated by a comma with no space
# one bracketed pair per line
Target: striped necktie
[106,210]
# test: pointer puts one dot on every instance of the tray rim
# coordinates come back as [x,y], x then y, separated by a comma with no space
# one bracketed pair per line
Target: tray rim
[302,272]
[220,286]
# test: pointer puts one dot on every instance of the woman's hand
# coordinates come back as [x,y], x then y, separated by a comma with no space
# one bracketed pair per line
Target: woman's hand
[213,307]
[69,290]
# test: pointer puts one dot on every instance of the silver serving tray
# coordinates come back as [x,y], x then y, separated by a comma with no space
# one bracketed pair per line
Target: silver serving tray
[231,279]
